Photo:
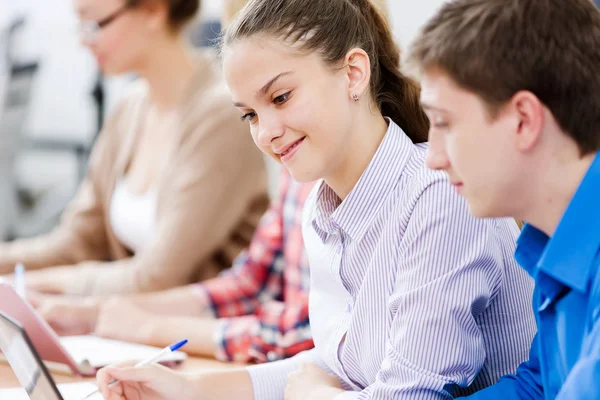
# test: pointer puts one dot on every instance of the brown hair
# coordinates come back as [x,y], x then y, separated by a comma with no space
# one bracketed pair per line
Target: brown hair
[495,48]
[332,28]
[180,11]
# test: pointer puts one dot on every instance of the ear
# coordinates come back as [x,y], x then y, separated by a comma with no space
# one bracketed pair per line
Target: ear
[530,117]
[358,69]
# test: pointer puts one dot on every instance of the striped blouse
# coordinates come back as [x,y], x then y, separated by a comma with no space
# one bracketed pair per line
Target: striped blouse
[411,297]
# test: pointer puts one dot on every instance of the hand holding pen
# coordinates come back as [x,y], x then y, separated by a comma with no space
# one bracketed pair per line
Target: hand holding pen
[123,383]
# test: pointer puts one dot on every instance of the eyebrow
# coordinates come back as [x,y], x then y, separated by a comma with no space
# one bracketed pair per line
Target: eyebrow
[265,89]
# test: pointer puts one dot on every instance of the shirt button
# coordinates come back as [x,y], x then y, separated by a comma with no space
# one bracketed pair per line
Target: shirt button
[272,356]
[338,249]
[349,308]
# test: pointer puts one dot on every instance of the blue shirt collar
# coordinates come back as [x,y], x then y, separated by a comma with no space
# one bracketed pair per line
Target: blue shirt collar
[569,255]
[355,214]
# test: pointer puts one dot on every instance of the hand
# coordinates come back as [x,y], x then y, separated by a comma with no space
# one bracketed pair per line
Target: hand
[309,382]
[66,315]
[153,382]
[50,280]
[120,319]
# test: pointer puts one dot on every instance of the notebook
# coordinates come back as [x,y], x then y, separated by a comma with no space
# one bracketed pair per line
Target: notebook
[83,355]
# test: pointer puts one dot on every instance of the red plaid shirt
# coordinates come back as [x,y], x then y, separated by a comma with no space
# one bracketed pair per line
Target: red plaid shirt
[263,299]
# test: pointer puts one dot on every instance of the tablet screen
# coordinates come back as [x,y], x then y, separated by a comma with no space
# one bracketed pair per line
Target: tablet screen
[25,362]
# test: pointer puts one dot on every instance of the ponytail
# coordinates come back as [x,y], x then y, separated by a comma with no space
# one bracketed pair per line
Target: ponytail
[396,95]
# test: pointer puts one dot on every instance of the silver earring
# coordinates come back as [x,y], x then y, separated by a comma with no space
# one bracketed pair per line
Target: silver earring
[355,97]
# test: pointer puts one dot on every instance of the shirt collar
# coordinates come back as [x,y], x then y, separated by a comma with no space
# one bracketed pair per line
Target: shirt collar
[571,252]
[327,202]
[355,214]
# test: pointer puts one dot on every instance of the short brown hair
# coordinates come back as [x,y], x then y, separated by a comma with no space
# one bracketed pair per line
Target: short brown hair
[495,48]
[180,12]
[332,28]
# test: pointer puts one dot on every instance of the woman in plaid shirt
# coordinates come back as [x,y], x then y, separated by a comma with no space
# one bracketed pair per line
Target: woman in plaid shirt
[255,312]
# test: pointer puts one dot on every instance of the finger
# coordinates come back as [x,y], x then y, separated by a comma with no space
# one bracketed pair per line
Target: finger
[131,374]
[34,299]
[115,392]
[103,378]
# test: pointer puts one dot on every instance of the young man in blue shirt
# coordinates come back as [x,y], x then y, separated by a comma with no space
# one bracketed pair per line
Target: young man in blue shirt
[512,90]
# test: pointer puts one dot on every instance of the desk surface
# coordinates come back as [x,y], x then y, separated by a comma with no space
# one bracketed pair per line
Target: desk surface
[8,379]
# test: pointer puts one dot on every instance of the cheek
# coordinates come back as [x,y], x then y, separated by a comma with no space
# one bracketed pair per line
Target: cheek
[302,115]
[120,46]
[254,133]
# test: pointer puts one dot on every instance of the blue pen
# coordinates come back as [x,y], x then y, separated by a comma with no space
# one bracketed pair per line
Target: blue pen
[152,360]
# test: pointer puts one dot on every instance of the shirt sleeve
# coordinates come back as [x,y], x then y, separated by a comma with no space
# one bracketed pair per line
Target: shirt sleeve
[276,331]
[269,380]
[258,324]
[526,384]
[435,343]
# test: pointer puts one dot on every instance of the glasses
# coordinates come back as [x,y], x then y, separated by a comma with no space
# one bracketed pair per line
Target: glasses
[89,30]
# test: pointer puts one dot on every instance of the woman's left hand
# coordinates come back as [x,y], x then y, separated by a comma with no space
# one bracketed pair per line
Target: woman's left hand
[309,382]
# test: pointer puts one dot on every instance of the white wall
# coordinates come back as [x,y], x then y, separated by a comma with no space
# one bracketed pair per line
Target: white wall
[61,105]
[408,16]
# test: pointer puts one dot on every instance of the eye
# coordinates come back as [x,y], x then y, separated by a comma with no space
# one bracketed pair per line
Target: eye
[440,125]
[248,117]
[279,100]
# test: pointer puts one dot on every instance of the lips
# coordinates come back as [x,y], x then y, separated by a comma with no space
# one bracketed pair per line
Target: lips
[286,149]
[288,152]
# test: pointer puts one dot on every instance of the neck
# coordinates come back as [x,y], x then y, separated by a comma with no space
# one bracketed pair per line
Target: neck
[368,133]
[554,190]
[169,69]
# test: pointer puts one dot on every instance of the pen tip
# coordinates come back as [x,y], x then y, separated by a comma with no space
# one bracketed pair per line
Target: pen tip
[178,345]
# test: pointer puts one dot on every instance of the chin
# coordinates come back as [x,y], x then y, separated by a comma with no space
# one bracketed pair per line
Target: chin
[303,175]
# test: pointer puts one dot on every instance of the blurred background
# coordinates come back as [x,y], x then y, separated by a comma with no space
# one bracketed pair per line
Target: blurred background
[53,101]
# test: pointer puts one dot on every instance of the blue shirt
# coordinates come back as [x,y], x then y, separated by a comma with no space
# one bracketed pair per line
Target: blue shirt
[565,355]
[411,297]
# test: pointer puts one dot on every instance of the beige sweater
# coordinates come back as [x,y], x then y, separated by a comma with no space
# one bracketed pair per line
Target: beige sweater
[211,196]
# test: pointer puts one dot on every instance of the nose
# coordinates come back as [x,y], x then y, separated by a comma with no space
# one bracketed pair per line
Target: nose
[270,128]
[437,158]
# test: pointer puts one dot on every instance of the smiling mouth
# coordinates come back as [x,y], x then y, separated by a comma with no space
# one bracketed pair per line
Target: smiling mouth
[292,148]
